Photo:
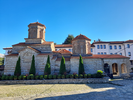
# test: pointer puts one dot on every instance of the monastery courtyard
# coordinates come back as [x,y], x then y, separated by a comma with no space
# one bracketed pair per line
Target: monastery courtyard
[118,89]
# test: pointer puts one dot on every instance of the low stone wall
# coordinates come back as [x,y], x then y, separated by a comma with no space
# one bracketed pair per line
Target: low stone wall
[57,81]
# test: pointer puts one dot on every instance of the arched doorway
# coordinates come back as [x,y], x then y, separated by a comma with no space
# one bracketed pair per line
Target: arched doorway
[115,68]
[106,68]
[123,68]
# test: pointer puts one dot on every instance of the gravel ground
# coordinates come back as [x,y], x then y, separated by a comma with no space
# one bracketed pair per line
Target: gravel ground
[116,90]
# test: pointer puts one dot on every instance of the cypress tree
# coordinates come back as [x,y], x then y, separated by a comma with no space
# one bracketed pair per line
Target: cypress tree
[47,69]
[81,66]
[32,69]
[62,66]
[18,68]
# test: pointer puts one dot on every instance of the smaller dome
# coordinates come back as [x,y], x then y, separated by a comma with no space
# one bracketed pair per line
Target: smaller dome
[81,37]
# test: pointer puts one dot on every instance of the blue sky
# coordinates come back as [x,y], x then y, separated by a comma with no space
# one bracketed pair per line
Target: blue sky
[108,20]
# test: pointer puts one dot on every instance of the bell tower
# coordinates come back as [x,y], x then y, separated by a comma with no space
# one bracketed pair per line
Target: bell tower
[36,33]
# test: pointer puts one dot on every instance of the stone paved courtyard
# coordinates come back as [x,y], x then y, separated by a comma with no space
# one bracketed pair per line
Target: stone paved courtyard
[115,90]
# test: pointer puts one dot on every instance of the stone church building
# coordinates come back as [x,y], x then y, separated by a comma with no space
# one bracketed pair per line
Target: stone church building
[36,45]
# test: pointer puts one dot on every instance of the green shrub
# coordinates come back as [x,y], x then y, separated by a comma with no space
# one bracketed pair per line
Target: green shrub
[59,76]
[81,66]
[20,77]
[85,75]
[3,77]
[24,77]
[71,76]
[67,76]
[41,77]
[36,77]
[50,76]
[62,66]
[15,77]
[81,75]
[18,68]
[89,75]
[63,76]
[76,76]
[94,75]
[32,69]
[99,74]
[54,76]
[7,77]
[45,76]
[47,70]
[28,77]
[11,77]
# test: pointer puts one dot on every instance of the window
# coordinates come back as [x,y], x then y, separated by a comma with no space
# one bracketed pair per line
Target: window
[111,53]
[104,46]
[110,47]
[131,61]
[70,50]
[115,47]
[120,53]
[115,53]
[98,53]
[91,50]
[119,46]
[101,46]
[55,49]
[101,53]
[129,53]
[128,46]
[105,53]
[97,46]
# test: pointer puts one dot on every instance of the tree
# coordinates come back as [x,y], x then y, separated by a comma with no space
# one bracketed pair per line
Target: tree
[81,66]
[69,39]
[47,69]
[32,69]
[62,66]
[18,68]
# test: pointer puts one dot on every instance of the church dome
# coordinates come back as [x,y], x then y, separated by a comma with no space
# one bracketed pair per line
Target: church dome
[81,37]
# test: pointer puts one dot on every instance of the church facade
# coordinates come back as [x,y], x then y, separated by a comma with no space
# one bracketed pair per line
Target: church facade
[36,45]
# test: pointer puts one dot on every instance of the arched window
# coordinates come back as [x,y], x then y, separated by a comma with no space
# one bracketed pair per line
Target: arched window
[123,68]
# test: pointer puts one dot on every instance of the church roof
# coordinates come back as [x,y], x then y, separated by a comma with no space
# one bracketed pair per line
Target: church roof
[81,37]
[29,48]
[101,56]
[63,51]
[16,54]
[63,46]
[25,44]
[36,23]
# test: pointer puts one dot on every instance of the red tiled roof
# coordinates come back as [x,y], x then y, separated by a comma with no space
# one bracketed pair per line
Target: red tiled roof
[129,41]
[24,44]
[63,46]
[63,51]
[29,48]
[44,54]
[66,59]
[7,48]
[36,23]
[81,37]
[102,56]
[92,45]
[114,42]
[12,55]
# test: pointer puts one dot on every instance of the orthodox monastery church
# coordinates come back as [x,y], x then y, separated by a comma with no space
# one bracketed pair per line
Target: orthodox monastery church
[35,44]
